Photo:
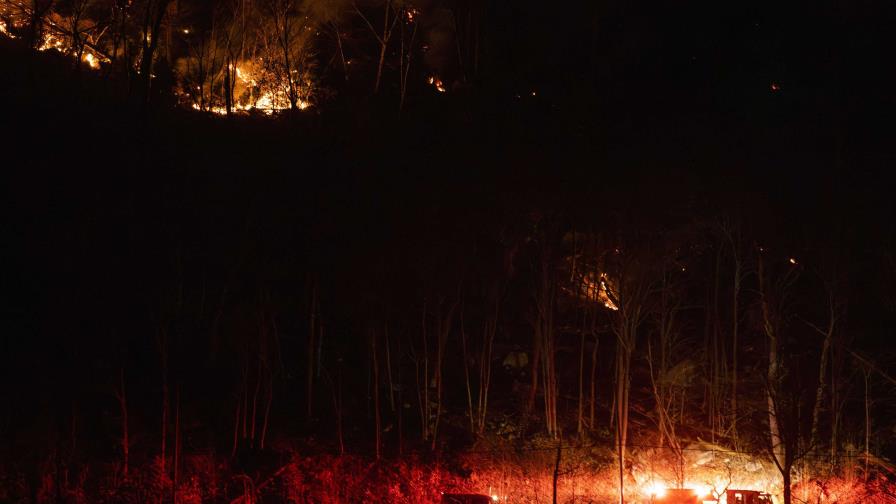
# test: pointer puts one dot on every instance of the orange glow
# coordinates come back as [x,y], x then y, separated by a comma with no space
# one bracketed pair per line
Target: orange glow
[655,489]
[437,83]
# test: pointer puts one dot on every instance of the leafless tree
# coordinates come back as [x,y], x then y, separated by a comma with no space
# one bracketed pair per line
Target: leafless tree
[391,18]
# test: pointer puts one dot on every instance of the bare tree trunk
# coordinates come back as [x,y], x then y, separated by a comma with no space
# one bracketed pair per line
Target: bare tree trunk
[389,369]
[176,445]
[383,38]
[252,429]
[406,53]
[376,396]
[828,335]
[735,322]
[544,329]
[236,426]
[773,364]
[485,368]
[336,389]
[309,370]
[151,27]
[384,43]
[557,469]
[163,349]
[122,396]
[443,327]
[426,405]
[581,412]
[867,375]
[341,51]
[466,358]
[593,399]
[631,297]
[267,410]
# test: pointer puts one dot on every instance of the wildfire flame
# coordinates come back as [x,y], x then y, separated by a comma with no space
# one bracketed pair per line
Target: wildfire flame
[254,94]
[267,99]
[437,83]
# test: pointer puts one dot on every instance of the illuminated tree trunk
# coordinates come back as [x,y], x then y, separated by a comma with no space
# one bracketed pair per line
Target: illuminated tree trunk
[738,274]
[389,369]
[122,397]
[544,335]
[176,478]
[267,410]
[421,376]
[630,302]
[383,38]
[770,329]
[463,345]
[485,368]
[591,402]
[867,376]
[376,397]
[236,424]
[39,10]
[384,44]
[557,469]
[406,53]
[152,22]
[828,335]
[163,352]
[659,365]
[336,393]
[228,87]
[443,327]
[581,413]
[255,393]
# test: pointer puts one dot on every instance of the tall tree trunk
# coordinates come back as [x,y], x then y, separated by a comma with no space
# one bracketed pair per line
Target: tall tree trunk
[773,364]
[125,435]
[176,478]
[828,335]
[309,369]
[163,349]
[557,469]
[384,44]
[151,27]
[735,323]
[376,396]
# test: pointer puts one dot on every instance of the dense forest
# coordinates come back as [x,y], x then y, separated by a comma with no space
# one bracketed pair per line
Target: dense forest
[334,252]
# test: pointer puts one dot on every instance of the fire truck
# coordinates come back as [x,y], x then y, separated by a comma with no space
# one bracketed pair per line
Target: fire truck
[747,497]
[689,496]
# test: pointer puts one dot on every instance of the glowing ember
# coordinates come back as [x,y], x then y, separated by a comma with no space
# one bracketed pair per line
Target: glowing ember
[598,289]
[52,42]
[91,60]
[437,83]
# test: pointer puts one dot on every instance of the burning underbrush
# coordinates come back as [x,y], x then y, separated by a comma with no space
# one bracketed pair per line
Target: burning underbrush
[506,474]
